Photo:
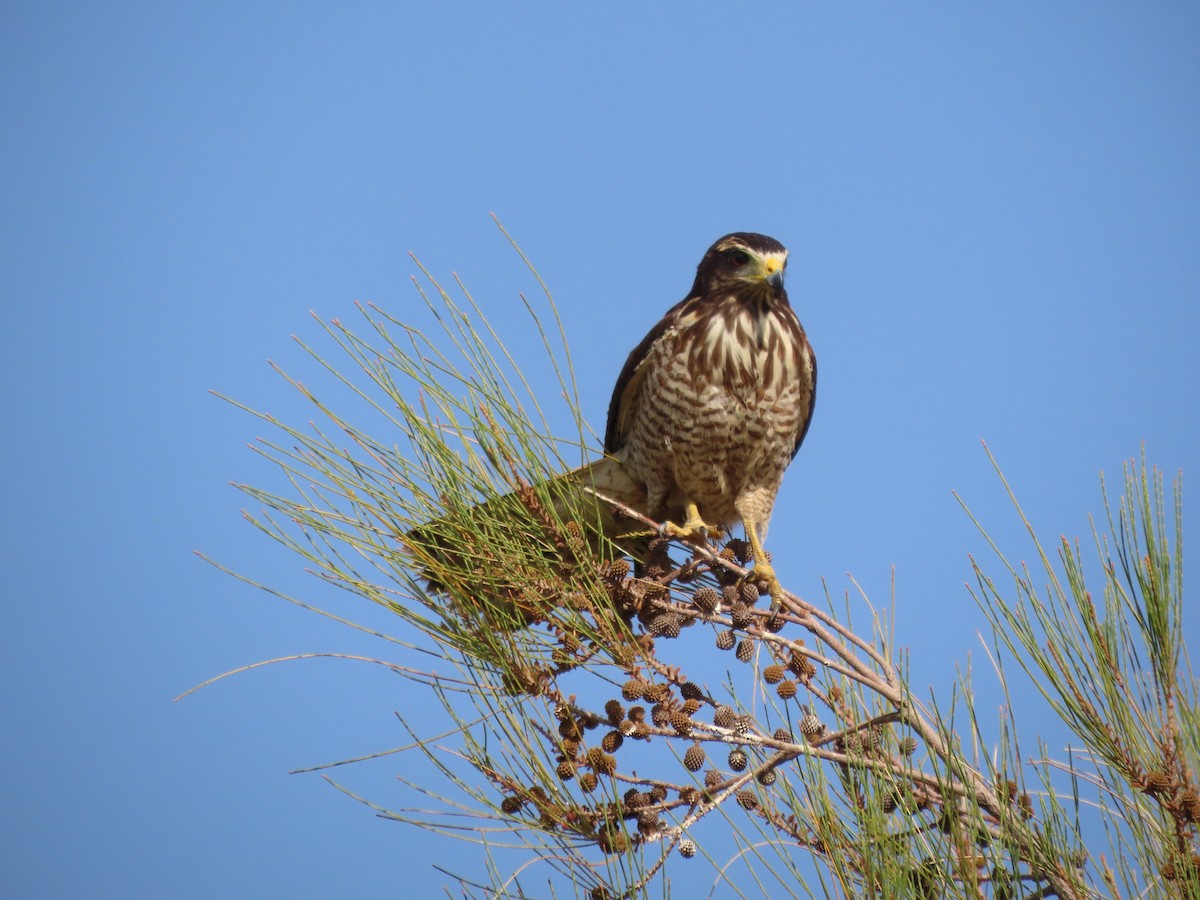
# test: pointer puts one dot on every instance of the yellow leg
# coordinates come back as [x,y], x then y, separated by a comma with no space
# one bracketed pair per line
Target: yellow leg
[763,570]
[695,528]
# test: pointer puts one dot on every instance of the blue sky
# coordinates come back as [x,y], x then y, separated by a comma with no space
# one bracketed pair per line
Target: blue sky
[993,213]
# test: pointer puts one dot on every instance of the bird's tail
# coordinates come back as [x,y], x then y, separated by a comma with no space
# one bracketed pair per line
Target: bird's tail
[609,478]
[466,544]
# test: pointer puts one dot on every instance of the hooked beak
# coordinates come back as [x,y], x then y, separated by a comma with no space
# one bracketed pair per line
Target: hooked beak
[773,272]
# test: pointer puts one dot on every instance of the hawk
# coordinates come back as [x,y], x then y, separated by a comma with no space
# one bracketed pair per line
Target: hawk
[713,404]
[707,413]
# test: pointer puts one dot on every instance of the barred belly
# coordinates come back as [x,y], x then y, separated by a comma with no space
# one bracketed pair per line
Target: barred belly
[723,403]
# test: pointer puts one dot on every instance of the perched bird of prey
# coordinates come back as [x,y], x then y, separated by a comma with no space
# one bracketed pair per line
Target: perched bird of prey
[713,404]
[707,413]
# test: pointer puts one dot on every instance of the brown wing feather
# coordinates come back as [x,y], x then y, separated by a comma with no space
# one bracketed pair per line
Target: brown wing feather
[629,382]
[812,398]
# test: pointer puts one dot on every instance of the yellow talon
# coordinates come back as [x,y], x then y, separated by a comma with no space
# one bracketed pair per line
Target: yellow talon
[763,571]
[695,528]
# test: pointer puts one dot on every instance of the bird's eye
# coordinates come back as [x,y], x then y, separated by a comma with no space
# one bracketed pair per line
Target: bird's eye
[738,258]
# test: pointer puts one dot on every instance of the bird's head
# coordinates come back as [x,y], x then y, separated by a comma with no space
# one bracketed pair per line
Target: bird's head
[744,263]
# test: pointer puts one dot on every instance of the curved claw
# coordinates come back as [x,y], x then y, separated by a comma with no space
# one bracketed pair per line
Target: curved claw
[764,573]
[694,529]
